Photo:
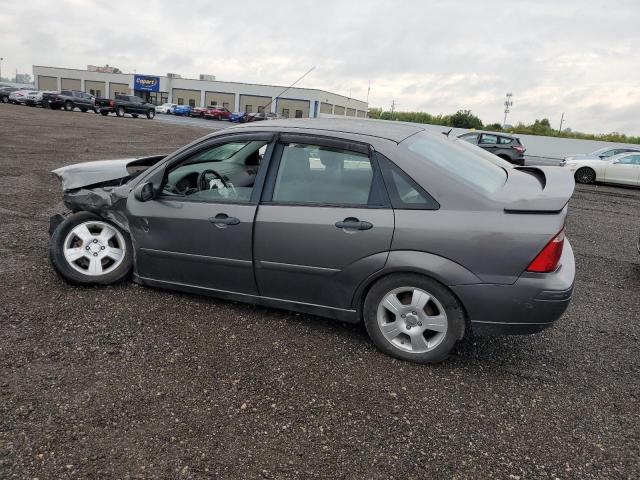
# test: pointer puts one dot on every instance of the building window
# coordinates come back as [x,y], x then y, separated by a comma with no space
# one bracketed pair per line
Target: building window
[180,101]
[92,91]
[298,113]
[248,109]
[225,105]
[214,103]
[192,102]
[285,112]
[98,93]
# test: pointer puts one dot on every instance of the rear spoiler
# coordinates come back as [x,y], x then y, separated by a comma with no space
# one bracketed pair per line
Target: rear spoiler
[555,188]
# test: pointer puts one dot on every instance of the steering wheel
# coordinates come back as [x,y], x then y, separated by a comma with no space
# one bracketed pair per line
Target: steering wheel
[202,179]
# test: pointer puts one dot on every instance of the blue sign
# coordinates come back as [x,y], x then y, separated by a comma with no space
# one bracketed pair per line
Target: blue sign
[145,83]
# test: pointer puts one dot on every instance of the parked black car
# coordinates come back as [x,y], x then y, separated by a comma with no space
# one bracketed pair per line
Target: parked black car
[5,92]
[504,146]
[124,104]
[69,100]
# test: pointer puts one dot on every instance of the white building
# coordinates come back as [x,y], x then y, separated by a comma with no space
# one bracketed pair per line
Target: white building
[245,97]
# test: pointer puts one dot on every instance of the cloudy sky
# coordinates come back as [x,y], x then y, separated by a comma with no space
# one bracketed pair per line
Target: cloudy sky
[581,57]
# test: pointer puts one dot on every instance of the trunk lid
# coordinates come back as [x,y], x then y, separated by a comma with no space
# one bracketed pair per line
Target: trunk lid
[536,189]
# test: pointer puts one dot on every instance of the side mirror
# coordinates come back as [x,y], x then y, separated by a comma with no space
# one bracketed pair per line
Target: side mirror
[144,192]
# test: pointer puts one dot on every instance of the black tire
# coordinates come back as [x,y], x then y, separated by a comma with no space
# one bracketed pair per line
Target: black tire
[585,175]
[5,99]
[104,113]
[151,114]
[134,115]
[69,274]
[68,106]
[120,112]
[455,316]
[83,110]
[218,118]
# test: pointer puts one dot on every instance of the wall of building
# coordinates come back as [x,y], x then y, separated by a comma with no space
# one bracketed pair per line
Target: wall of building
[118,89]
[206,89]
[182,96]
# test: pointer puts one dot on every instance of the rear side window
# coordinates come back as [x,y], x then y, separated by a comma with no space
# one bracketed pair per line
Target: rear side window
[504,140]
[322,175]
[488,139]
[404,192]
[460,160]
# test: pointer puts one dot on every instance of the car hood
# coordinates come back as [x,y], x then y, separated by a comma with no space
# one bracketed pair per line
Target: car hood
[101,171]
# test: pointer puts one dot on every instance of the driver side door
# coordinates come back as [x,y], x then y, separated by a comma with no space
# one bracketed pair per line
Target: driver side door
[625,170]
[200,235]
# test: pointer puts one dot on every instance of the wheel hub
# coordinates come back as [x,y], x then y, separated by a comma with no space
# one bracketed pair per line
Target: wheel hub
[411,320]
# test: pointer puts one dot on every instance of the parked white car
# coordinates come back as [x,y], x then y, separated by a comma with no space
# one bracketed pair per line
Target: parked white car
[623,169]
[165,108]
[601,154]
[20,96]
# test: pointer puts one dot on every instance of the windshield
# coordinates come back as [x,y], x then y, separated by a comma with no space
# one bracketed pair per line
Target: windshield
[468,163]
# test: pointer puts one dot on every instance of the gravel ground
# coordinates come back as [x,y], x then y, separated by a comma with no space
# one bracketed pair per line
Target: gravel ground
[132,382]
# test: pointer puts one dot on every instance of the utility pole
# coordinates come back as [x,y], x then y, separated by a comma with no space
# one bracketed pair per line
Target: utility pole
[507,105]
[561,120]
[393,107]
[1,58]
[368,90]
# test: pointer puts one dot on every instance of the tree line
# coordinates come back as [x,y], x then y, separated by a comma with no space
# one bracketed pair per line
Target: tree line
[466,119]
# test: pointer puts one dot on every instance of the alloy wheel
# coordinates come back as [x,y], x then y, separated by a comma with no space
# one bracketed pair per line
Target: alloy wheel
[412,319]
[94,248]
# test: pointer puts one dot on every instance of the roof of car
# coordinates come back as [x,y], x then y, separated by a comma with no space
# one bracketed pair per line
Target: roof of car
[394,131]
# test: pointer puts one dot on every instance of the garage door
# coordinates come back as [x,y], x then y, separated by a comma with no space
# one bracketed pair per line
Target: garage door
[293,108]
[94,88]
[338,110]
[118,89]
[186,97]
[326,107]
[47,83]
[254,103]
[351,112]
[70,84]
[220,99]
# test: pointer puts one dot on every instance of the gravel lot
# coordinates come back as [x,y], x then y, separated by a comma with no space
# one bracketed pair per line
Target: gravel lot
[132,382]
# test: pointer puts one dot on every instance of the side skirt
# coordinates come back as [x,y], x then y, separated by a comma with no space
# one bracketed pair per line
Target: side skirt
[349,316]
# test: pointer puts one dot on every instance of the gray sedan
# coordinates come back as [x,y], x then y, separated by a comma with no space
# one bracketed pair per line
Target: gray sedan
[423,238]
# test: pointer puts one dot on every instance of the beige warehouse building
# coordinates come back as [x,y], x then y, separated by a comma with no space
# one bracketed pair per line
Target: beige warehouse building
[235,96]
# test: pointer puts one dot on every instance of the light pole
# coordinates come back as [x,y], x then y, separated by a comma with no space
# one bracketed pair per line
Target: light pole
[507,105]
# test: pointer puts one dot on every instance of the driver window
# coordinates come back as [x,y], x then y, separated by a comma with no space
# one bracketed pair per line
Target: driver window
[222,173]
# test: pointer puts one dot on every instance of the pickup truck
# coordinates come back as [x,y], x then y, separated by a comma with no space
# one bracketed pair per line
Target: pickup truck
[124,104]
[69,99]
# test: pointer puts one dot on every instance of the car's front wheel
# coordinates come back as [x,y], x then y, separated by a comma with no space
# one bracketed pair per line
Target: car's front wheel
[86,249]
[413,317]
[68,106]
[151,114]
[120,112]
[585,175]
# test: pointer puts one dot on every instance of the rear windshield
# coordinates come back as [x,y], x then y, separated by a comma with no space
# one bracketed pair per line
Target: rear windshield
[468,163]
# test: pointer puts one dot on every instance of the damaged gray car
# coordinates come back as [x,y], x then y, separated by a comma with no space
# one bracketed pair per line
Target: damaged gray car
[423,238]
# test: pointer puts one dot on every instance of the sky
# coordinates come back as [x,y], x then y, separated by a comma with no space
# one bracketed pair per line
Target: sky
[580,57]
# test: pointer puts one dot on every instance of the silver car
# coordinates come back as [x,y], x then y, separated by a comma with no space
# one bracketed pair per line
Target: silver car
[423,238]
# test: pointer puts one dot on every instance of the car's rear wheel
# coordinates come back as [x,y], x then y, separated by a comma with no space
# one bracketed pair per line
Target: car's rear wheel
[83,110]
[151,114]
[104,113]
[5,99]
[585,175]
[86,249]
[413,317]
[68,106]
[120,111]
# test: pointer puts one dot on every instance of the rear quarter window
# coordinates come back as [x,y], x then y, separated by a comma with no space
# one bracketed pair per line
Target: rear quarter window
[459,159]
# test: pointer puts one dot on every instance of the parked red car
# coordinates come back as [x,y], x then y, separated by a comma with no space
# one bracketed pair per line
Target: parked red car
[198,111]
[217,113]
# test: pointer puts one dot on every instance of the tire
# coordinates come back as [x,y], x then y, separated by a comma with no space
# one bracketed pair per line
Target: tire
[134,115]
[100,254]
[83,110]
[218,118]
[585,175]
[412,339]
[68,106]
[151,114]
[5,99]
[104,113]
[120,112]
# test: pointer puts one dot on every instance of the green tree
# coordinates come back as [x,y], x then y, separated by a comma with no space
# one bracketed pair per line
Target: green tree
[465,119]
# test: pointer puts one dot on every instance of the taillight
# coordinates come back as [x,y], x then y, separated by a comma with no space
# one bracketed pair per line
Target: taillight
[548,259]
[519,149]
[112,103]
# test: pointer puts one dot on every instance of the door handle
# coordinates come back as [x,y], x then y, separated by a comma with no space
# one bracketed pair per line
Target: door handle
[222,220]
[354,223]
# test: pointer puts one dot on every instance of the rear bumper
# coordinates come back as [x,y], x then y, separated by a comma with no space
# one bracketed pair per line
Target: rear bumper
[531,304]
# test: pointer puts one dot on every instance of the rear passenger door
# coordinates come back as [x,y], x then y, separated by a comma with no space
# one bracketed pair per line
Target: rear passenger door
[324,224]
[625,170]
